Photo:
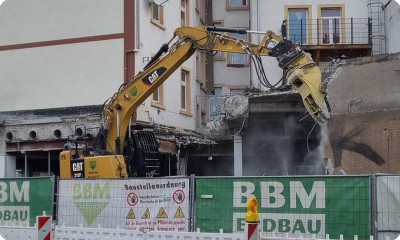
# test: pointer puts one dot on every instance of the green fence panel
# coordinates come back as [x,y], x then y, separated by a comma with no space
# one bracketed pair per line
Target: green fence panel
[287,205]
[22,199]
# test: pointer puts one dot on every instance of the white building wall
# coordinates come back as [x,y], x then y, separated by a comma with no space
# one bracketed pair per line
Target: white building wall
[61,75]
[392,26]
[44,20]
[151,38]
[7,166]
[230,77]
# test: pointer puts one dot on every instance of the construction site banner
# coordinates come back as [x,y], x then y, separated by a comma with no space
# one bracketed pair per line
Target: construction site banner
[22,199]
[156,204]
[388,206]
[287,205]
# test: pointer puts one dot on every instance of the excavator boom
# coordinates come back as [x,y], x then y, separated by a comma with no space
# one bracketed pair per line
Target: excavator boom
[300,71]
[303,75]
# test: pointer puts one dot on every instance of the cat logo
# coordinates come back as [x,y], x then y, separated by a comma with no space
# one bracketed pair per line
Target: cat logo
[162,213]
[77,167]
[152,77]
[179,213]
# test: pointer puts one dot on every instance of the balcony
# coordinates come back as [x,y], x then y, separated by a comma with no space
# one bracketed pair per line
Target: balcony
[328,38]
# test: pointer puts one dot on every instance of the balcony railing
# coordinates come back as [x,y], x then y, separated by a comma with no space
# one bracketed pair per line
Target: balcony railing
[324,31]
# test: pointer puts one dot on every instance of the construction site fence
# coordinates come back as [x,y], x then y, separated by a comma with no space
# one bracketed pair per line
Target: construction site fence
[79,233]
[306,207]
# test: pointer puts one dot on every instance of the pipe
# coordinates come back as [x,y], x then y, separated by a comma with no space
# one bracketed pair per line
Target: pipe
[26,164]
[48,162]
[118,123]
[118,140]
[130,127]
[137,18]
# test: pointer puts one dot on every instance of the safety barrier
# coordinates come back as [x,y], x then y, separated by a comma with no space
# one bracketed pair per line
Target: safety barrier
[81,233]
[99,233]
[42,229]
[273,236]
[18,232]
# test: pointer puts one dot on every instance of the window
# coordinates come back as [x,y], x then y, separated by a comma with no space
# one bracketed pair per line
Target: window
[201,6]
[184,14]
[298,25]
[158,97]
[157,15]
[330,21]
[215,102]
[185,92]
[238,59]
[201,68]
[237,4]
[219,56]
[235,92]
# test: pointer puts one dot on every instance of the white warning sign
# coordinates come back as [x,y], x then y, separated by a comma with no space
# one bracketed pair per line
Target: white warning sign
[157,204]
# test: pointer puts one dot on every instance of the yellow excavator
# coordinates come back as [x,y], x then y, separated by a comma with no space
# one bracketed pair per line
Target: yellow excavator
[113,157]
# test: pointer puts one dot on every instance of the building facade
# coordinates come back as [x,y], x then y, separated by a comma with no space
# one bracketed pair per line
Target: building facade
[60,61]
[276,137]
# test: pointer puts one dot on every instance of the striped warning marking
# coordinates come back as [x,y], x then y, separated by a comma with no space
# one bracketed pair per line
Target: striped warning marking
[251,229]
[44,227]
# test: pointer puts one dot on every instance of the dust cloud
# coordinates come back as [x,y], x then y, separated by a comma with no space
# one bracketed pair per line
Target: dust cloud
[283,146]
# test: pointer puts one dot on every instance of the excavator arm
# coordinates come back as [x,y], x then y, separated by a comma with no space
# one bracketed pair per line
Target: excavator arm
[301,73]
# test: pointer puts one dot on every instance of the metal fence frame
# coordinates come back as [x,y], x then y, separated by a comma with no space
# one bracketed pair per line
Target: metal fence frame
[350,31]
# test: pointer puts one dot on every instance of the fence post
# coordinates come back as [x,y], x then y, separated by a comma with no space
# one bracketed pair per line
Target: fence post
[373,205]
[351,30]
[370,30]
[318,32]
[252,220]
[334,35]
[192,190]
[301,31]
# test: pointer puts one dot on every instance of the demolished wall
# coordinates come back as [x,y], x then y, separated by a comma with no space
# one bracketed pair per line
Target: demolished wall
[364,132]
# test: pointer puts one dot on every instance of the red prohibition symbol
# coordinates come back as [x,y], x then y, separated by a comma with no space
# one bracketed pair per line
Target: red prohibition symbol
[132,199]
[178,196]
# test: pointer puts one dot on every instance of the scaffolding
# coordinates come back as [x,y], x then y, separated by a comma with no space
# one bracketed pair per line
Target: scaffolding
[377,27]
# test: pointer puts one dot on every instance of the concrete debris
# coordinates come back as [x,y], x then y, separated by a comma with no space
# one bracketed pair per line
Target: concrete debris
[235,106]
[254,92]
[217,126]
[331,73]
[181,136]
[232,108]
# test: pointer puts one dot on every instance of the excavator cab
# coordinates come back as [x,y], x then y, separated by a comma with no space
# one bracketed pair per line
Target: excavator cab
[140,158]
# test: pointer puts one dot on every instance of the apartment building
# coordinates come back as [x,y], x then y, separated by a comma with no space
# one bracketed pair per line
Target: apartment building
[60,61]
